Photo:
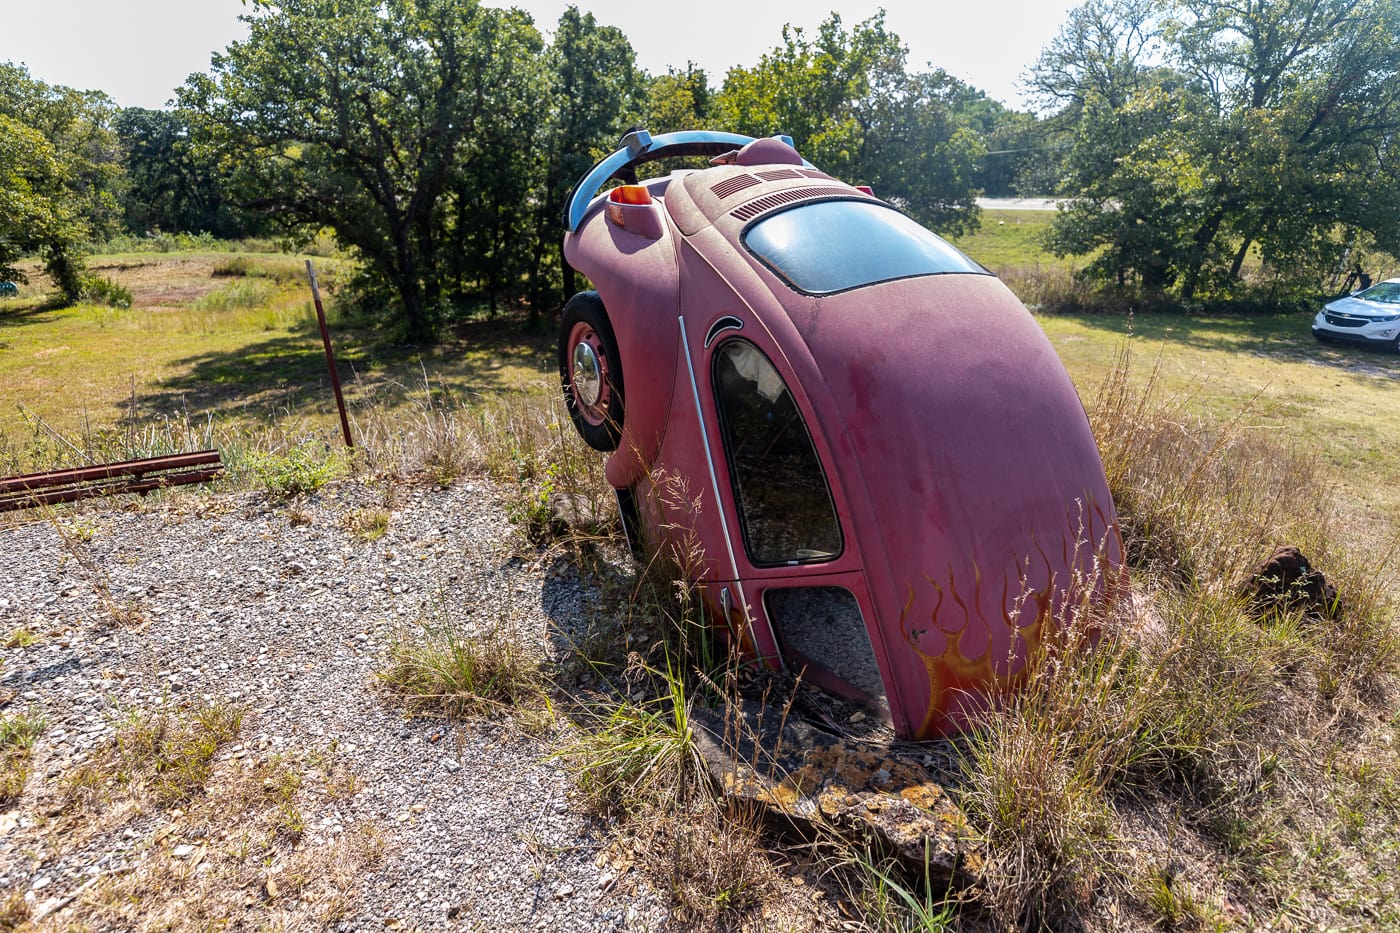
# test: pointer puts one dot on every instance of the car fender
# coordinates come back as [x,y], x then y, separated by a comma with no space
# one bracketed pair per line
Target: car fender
[637,279]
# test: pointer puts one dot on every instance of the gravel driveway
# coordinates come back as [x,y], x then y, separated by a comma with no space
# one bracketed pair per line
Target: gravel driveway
[290,620]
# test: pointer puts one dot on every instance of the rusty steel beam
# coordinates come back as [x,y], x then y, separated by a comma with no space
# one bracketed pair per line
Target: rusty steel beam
[107,471]
[108,479]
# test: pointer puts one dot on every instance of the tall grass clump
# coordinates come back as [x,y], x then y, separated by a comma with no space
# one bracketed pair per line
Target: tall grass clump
[1196,698]
[443,668]
[635,750]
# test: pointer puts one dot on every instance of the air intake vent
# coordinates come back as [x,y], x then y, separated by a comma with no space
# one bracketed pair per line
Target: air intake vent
[813,173]
[732,185]
[791,196]
[778,174]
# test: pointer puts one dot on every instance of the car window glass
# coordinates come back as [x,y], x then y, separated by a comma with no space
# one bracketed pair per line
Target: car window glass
[832,246]
[1387,292]
[781,492]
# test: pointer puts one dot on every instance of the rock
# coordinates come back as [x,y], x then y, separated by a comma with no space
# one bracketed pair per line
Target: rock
[815,781]
[1288,582]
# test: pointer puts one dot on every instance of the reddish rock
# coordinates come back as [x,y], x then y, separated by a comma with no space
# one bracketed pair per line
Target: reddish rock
[817,782]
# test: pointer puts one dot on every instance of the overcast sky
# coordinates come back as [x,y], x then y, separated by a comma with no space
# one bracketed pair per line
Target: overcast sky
[139,51]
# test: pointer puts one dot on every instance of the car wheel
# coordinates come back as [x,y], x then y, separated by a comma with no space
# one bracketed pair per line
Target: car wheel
[591,371]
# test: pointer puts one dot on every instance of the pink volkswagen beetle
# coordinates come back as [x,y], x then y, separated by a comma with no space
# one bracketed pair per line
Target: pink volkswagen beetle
[871,447]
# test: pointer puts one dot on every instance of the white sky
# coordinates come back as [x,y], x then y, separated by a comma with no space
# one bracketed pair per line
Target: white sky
[139,51]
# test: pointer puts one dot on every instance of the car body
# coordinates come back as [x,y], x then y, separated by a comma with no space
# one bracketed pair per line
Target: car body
[854,438]
[1370,316]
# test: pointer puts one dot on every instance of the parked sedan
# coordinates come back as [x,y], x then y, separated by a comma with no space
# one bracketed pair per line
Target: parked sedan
[1370,316]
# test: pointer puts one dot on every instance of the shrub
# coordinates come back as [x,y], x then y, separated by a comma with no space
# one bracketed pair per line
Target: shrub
[303,469]
[100,290]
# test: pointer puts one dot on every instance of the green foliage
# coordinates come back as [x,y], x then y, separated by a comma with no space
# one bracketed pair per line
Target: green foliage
[396,124]
[303,469]
[680,100]
[100,290]
[1205,133]
[851,108]
[172,183]
[595,93]
[58,171]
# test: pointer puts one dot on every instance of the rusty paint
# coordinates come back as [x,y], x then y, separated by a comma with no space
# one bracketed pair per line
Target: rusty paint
[108,479]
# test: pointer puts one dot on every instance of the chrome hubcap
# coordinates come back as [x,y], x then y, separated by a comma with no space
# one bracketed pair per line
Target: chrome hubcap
[587,377]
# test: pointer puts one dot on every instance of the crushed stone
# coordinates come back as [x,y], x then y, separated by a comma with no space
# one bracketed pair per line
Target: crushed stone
[282,610]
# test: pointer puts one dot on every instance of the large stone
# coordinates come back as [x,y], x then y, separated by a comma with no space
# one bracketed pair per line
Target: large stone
[817,782]
[1287,581]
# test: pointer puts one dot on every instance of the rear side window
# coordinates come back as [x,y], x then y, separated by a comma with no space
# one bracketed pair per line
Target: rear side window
[824,247]
[783,500]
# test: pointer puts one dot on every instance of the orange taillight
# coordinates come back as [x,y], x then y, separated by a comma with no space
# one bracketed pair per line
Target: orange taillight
[630,194]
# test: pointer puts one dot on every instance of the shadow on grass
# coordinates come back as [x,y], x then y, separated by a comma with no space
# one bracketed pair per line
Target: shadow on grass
[1280,337]
[30,312]
[287,374]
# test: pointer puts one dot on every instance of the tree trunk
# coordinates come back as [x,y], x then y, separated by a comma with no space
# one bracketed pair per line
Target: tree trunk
[1200,243]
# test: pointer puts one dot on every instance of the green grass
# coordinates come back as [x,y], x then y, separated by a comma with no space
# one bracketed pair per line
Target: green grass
[1012,239]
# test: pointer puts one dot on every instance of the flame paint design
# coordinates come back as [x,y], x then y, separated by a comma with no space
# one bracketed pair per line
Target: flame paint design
[964,681]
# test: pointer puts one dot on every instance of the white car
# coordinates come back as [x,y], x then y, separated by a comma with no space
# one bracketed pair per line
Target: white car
[1371,316]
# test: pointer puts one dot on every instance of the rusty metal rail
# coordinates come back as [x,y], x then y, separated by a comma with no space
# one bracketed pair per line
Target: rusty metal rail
[108,479]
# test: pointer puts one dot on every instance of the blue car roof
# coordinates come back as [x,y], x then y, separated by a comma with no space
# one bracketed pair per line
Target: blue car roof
[639,147]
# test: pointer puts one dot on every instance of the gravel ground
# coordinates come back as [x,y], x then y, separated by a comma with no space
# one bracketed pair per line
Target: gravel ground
[290,620]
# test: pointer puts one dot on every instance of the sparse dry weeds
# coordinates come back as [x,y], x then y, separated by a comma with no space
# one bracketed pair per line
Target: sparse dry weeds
[214,835]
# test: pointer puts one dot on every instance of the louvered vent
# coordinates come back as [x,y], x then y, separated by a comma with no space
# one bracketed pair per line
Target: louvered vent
[790,196]
[813,173]
[778,174]
[732,185]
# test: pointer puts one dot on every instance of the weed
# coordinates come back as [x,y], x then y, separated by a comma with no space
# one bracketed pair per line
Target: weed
[303,469]
[442,670]
[75,535]
[100,290]
[17,734]
[1173,901]
[22,637]
[239,295]
[368,524]
[164,757]
[886,899]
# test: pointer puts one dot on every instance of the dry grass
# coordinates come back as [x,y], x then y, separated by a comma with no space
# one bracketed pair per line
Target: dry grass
[217,835]
[442,668]
[1168,773]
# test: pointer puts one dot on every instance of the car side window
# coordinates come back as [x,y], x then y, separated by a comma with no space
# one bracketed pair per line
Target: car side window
[783,500]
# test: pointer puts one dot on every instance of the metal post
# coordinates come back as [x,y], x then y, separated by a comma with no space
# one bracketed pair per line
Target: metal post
[330,354]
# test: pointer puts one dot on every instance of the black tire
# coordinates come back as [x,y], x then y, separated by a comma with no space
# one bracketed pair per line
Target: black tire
[596,409]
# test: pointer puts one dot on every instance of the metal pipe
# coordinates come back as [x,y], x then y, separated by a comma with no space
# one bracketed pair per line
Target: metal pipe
[330,354]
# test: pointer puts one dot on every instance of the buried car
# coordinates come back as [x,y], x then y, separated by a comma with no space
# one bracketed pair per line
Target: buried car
[858,441]
[1369,316]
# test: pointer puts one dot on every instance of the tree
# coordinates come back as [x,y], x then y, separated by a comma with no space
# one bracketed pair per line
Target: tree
[851,108]
[1206,129]
[595,95]
[172,184]
[36,212]
[58,173]
[679,100]
[371,117]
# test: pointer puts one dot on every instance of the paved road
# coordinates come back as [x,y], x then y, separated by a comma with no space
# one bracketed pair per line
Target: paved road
[1016,204]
